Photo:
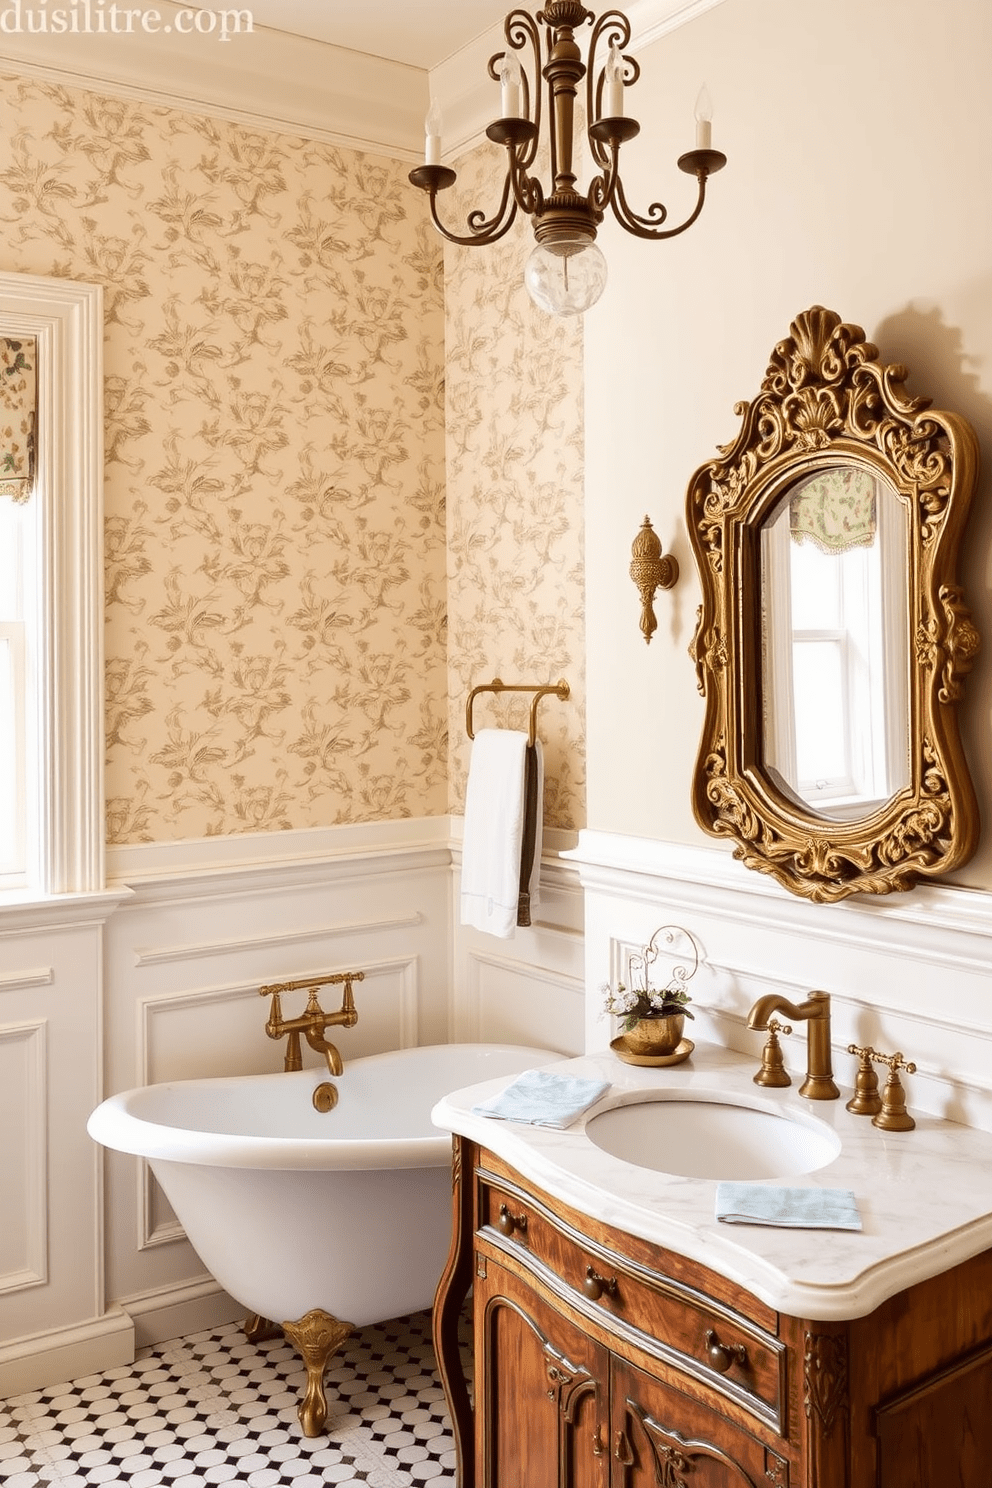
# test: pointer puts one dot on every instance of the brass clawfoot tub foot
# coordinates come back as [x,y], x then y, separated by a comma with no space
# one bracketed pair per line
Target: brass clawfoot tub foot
[257,1329]
[316,1337]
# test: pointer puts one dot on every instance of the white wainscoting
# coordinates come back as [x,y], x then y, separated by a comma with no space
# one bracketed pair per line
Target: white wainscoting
[905,972]
[206,926]
[529,989]
[52,1304]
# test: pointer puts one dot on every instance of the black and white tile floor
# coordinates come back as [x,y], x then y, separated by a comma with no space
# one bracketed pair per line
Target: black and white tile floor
[214,1408]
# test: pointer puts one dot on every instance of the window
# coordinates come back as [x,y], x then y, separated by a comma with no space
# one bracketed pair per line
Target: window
[51,615]
[835,701]
[15,553]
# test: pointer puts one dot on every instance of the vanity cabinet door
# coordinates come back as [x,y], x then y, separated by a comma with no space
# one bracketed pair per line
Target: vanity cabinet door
[940,1431]
[658,1436]
[542,1392]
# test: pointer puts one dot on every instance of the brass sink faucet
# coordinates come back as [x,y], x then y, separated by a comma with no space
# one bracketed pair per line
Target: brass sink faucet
[819,1083]
[312,1023]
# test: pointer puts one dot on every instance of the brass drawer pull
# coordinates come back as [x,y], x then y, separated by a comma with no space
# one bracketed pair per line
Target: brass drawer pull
[595,1285]
[508,1223]
[722,1355]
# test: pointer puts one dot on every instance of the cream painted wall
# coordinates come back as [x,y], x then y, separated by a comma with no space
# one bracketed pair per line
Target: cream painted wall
[858,138]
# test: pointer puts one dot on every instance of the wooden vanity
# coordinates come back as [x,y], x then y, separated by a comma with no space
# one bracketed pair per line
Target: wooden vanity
[603,1359]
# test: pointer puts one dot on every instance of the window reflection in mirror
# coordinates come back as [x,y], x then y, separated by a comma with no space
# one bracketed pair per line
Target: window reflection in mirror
[835,620]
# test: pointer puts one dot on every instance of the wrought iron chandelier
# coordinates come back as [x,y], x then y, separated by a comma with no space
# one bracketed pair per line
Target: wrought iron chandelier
[566,272]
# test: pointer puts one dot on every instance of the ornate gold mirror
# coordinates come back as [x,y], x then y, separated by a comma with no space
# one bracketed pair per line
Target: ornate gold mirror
[832,640]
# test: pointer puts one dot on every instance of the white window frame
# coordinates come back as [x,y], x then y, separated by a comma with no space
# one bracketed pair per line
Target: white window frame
[66,725]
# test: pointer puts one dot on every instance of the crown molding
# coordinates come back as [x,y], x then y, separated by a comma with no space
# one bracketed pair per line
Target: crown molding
[266,80]
[294,85]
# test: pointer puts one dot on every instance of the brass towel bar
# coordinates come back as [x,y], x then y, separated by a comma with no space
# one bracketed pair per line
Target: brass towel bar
[559,688]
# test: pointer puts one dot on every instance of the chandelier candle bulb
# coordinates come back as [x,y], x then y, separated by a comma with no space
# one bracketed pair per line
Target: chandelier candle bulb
[704,120]
[509,78]
[613,84]
[432,129]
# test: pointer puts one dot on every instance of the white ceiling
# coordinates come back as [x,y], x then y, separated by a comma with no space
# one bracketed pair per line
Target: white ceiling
[421,33]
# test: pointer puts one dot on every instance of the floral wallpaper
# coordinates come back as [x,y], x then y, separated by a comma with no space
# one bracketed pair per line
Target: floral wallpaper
[514,483]
[275,542]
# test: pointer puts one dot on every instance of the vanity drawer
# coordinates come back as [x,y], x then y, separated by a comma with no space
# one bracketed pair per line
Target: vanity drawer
[662,1315]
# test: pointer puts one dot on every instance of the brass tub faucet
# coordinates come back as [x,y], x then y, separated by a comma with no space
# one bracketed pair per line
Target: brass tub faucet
[815,1011]
[312,1023]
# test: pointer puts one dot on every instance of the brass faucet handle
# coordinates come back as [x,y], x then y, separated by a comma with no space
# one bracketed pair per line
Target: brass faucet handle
[893,1116]
[895,1062]
[866,1100]
[773,1072]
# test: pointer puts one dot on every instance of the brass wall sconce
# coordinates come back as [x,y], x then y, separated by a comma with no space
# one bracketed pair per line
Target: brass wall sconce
[650,571]
[566,273]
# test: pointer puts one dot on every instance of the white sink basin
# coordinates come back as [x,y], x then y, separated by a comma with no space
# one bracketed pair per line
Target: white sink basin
[704,1137]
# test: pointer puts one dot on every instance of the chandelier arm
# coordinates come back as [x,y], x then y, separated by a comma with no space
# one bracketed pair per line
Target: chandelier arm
[480,230]
[648,226]
[528,194]
[603,188]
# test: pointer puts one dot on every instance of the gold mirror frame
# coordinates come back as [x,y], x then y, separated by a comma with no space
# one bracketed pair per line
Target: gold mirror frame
[825,401]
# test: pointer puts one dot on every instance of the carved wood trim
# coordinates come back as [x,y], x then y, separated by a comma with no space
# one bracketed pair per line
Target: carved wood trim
[449,1302]
[826,1403]
[776,1471]
[676,1456]
[826,399]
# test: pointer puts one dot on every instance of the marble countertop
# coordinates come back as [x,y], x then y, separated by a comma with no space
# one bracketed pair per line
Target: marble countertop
[924,1196]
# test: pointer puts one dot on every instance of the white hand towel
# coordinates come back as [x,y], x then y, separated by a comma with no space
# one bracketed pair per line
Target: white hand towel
[495,801]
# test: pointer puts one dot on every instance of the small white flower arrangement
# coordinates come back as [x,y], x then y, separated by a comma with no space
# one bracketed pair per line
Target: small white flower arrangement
[632,1003]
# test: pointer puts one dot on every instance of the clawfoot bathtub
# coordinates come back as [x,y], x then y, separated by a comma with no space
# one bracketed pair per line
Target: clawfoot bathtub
[308,1217]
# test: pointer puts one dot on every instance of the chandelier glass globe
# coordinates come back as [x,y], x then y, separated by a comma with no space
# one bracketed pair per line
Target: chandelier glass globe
[567,276]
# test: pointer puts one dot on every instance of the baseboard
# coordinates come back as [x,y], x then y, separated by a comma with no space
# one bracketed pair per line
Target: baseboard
[62,1354]
[175,1312]
[51,1358]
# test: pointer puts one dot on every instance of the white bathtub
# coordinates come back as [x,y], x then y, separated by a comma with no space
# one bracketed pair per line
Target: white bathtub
[293,1210]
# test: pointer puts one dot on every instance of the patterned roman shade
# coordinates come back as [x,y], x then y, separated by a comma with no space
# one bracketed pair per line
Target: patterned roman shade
[18,400]
[835,510]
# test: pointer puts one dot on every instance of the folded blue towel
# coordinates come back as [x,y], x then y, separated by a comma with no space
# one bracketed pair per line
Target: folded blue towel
[787,1208]
[542,1098]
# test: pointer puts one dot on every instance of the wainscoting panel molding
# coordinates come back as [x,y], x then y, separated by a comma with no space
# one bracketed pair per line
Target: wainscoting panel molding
[51,1039]
[156,955]
[528,989]
[23,1156]
[388,1004]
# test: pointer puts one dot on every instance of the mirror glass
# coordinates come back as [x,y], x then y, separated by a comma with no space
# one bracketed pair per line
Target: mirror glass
[834,643]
